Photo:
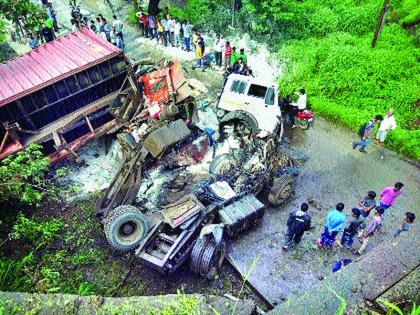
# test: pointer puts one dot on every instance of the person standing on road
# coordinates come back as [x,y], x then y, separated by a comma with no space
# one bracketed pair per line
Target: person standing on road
[367,204]
[389,194]
[51,14]
[199,51]
[218,48]
[228,54]
[186,28]
[352,228]
[47,33]
[336,221]
[299,222]
[408,219]
[171,22]
[373,227]
[387,124]
[242,55]
[118,26]
[32,41]
[299,106]
[177,33]
[365,133]
[233,56]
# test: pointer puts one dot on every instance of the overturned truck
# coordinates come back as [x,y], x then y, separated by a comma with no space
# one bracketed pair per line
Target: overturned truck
[184,188]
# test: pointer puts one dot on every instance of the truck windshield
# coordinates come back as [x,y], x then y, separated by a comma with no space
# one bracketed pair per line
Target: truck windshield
[257,90]
[238,87]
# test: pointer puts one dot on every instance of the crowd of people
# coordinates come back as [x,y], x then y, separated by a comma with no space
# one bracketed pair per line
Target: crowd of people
[357,224]
[171,31]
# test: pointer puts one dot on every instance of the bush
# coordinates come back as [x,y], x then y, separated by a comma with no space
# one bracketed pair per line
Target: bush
[132,18]
[36,232]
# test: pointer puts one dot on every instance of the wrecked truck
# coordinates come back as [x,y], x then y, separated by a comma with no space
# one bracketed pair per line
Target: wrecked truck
[180,194]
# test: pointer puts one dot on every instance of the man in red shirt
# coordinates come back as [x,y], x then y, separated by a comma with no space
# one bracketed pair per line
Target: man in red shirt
[228,54]
[144,23]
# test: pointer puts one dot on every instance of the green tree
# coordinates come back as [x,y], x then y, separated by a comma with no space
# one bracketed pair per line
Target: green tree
[32,13]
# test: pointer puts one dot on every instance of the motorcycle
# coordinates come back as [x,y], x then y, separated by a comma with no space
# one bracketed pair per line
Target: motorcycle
[303,119]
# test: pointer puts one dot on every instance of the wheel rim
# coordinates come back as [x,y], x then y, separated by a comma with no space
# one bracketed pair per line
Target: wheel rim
[129,231]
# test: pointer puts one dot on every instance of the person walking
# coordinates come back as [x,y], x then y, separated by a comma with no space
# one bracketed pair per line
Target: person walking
[351,229]
[218,48]
[336,221]
[387,124]
[186,28]
[408,219]
[373,227]
[228,54]
[299,222]
[118,26]
[365,133]
[32,41]
[389,194]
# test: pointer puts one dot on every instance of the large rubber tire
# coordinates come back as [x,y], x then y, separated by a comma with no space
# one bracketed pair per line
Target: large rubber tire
[207,258]
[222,164]
[281,190]
[125,227]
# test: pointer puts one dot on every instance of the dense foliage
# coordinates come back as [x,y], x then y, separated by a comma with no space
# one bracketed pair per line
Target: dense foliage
[325,46]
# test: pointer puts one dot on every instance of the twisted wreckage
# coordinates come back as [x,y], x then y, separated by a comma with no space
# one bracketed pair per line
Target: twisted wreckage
[183,188]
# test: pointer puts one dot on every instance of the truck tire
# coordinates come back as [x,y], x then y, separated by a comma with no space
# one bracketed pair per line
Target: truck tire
[125,227]
[222,165]
[281,190]
[207,258]
[196,254]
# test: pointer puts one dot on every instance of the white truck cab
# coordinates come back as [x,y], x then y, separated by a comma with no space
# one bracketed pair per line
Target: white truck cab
[253,98]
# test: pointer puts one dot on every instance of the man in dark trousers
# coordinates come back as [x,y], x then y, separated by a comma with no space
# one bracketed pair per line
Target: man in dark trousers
[47,33]
[299,222]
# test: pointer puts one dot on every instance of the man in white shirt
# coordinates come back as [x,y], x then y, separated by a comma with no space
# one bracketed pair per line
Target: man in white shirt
[177,33]
[171,23]
[299,106]
[387,124]
[218,48]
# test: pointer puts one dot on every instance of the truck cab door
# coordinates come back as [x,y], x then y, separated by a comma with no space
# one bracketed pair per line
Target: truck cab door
[261,101]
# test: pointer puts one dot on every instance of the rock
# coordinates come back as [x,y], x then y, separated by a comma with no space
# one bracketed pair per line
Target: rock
[197,85]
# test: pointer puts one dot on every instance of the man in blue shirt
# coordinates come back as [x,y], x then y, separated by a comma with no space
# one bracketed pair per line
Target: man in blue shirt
[336,221]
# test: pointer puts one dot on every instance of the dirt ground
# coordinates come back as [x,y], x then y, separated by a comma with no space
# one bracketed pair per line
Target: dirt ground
[333,173]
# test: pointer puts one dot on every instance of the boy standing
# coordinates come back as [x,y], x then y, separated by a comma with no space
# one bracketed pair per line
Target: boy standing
[228,53]
[351,229]
[299,222]
[336,221]
[365,133]
[408,219]
[367,204]
[218,48]
[374,226]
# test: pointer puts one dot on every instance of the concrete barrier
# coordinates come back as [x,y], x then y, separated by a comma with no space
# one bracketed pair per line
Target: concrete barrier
[366,278]
[57,304]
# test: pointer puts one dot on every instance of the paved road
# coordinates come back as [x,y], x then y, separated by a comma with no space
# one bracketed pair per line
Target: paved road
[333,173]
